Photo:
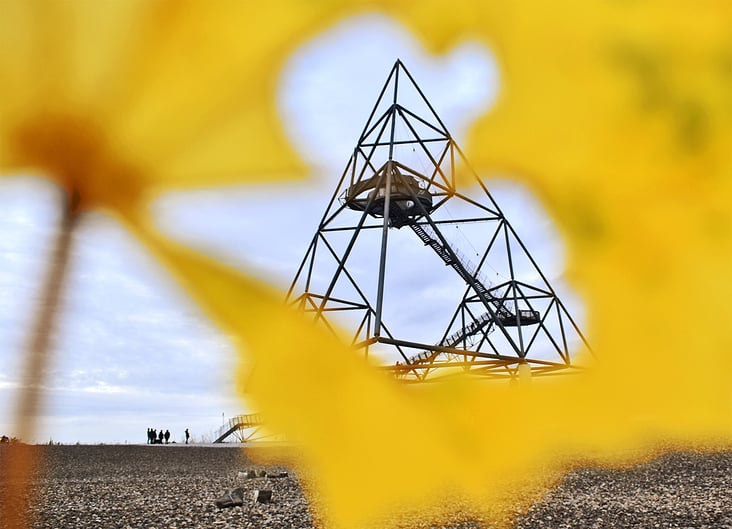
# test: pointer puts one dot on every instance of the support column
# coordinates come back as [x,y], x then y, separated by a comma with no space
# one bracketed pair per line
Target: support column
[382,259]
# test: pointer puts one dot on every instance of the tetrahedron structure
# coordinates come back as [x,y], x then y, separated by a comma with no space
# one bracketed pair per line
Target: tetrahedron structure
[431,279]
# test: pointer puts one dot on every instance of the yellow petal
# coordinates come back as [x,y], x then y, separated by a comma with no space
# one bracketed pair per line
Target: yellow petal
[639,191]
[371,441]
[618,114]
[142,97]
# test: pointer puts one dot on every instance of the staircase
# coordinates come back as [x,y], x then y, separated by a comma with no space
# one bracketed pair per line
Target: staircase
[463,267]
[454,339]
[497,307]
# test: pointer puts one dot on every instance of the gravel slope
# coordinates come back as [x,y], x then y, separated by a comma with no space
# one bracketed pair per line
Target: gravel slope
[175,487]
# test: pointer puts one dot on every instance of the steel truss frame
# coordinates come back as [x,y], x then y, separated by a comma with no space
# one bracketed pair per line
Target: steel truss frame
[496,327]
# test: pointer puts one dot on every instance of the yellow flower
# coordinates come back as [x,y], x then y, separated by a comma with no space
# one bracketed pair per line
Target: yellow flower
[118,101]
[619,115]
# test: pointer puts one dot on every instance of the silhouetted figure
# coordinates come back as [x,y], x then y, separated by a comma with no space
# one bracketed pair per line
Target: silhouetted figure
[150,436]
[160,437]
[188,435]
[153,435]
[167,436]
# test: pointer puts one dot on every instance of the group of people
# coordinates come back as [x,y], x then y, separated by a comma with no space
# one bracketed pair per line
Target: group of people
[157,438]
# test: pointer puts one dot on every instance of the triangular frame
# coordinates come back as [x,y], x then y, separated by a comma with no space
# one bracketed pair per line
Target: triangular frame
[496,328]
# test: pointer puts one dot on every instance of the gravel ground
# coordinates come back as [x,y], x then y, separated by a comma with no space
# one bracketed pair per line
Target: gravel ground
[159,486]
[175,487]
[676,491]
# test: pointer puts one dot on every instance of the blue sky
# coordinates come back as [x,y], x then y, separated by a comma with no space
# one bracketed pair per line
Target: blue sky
[131,350]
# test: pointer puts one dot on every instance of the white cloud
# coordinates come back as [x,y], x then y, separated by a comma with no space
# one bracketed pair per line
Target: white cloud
[126,333]
[27,220]
[330,84]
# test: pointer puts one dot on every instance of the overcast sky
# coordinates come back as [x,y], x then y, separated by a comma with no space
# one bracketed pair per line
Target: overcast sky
[132,351]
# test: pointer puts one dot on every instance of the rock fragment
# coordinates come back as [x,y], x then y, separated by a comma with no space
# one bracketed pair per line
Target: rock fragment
[232,498]
[262,496]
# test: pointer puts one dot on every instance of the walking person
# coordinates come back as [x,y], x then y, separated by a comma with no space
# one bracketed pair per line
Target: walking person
[167,436]
[188,435]
[160,436]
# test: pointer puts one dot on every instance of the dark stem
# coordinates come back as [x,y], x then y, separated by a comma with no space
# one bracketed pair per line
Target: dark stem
[37,353]
[18,468]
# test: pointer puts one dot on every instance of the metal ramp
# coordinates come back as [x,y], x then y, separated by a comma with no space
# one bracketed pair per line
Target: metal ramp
[243,428]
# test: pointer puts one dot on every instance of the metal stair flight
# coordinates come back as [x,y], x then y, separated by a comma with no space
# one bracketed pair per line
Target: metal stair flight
[463,267]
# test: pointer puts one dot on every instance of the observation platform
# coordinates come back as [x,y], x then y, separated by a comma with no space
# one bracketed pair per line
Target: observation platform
[522,317]
[408,200]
